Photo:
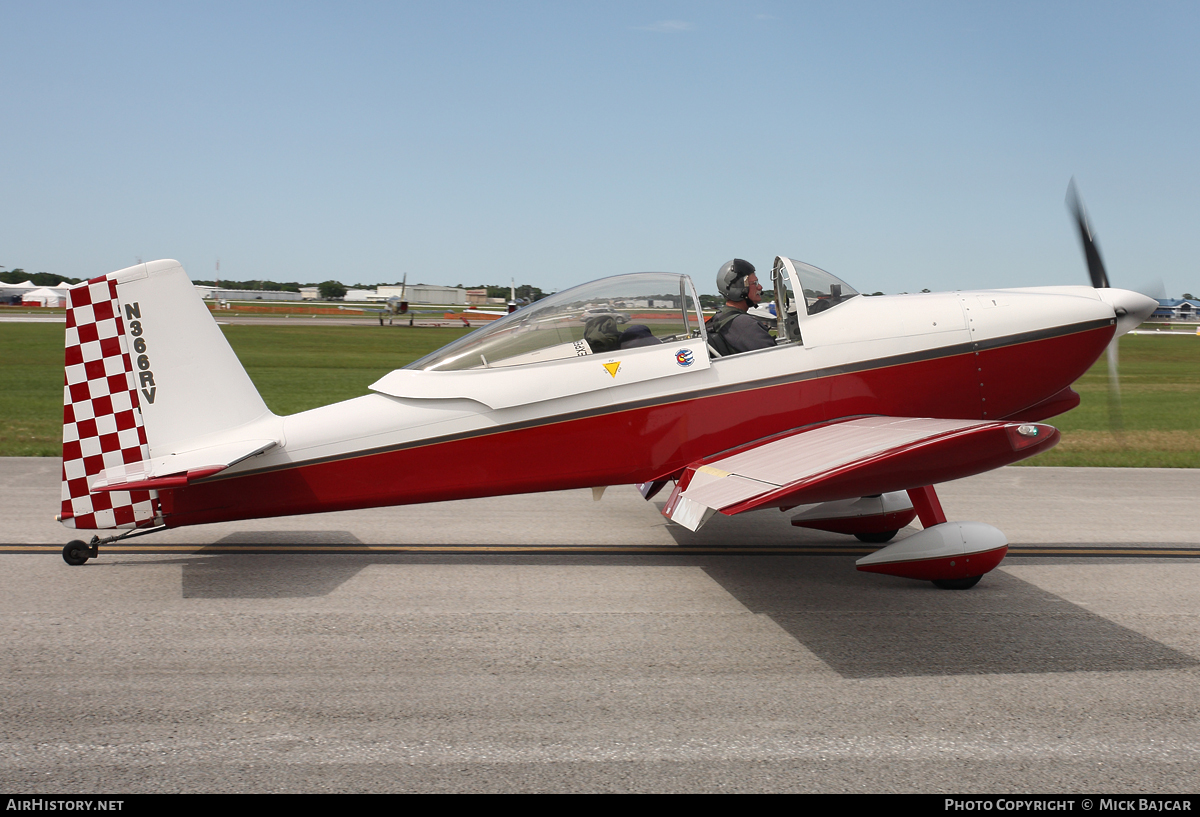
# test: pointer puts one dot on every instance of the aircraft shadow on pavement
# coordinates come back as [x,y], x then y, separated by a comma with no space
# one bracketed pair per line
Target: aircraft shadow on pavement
[869,625]
[252,576]
[861,625]
[866,625]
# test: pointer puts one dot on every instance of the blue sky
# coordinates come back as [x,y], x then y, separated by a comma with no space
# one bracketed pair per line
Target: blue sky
[900,145]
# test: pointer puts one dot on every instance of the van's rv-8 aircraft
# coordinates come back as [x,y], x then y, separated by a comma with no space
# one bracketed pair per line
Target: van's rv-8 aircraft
[396,305]
[861,407]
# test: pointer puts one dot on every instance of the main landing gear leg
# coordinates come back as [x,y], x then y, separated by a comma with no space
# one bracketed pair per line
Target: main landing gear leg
[77,553]
[929,509]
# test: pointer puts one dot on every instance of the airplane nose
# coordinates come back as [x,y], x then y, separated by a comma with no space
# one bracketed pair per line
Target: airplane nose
[1131,308]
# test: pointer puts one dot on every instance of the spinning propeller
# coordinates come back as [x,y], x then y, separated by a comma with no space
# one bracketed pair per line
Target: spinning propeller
[1099,276]
[1095,263]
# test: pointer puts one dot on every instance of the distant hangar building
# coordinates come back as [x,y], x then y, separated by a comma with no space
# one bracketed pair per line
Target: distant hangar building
[353,294]
[427,294]
[222,294]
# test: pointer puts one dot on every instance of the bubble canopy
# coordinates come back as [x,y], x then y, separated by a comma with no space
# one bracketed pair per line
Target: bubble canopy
[600,317]
[822,289]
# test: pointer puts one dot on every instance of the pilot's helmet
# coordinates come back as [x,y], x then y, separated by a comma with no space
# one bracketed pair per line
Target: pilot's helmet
[731,279]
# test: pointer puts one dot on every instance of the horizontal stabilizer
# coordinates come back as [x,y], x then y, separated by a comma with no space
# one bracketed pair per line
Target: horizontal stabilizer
[849,458]
[177,470]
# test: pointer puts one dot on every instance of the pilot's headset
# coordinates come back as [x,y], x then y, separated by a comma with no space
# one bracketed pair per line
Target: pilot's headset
[731,279]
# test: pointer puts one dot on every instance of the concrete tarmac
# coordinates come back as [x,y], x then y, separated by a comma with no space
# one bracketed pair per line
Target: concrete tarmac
[607,669]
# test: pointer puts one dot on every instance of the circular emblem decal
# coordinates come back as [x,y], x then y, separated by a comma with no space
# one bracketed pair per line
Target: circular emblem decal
[684,357]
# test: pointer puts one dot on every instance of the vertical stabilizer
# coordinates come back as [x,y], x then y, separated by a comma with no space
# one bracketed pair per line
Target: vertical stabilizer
[192,388]
[152,388]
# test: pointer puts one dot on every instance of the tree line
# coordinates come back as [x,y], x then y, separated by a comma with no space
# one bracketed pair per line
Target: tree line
[41,279]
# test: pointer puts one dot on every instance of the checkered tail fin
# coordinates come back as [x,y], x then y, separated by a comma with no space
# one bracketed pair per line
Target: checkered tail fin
[102,426]
[149,377]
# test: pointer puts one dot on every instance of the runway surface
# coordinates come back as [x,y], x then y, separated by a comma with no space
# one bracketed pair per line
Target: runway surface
[624,654]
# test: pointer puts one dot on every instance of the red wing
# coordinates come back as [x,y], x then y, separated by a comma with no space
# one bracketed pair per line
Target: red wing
[849,458]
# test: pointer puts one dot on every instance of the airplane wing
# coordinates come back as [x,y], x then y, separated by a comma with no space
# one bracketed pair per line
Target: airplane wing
[850,457]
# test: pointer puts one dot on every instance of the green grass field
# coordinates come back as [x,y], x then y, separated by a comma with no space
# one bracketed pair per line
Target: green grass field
[1160,409]
[294,368]
[302,367]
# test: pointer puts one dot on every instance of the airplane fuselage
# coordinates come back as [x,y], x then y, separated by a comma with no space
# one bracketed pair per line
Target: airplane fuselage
[426,436]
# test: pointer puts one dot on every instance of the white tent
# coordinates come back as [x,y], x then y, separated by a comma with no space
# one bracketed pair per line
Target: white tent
[44,296]
[11,291]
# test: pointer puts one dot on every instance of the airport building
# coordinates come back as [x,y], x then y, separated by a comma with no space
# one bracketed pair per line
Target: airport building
[222,294]
[427,294]
[1176,309]
[414,294]
[352,294]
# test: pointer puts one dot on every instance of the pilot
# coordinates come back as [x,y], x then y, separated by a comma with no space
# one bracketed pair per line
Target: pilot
[731,330]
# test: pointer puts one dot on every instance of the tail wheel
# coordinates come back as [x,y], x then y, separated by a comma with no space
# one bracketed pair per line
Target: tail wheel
[76,553]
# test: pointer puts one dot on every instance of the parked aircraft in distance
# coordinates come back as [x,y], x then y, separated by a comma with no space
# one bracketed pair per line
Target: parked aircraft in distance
[392,306]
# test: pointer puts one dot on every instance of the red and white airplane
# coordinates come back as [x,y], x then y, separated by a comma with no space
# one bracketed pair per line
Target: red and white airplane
[864,404]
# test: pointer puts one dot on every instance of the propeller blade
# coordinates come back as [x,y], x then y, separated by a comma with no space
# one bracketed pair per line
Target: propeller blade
[1115,421]
[1096,271]
[1154,289]
[1090,250]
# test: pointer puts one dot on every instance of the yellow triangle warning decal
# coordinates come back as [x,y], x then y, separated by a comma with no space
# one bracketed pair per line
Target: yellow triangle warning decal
[612,367]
